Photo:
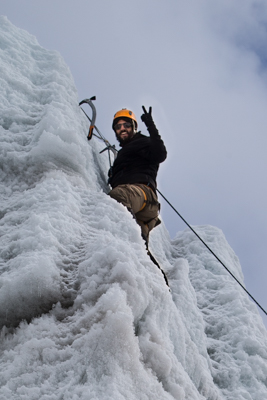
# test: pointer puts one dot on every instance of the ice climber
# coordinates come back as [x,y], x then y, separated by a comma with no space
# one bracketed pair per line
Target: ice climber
[134,172]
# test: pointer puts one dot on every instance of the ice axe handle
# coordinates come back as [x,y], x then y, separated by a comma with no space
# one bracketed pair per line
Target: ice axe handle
[90,133]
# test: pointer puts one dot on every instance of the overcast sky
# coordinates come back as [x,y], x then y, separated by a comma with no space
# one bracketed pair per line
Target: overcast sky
[202,67]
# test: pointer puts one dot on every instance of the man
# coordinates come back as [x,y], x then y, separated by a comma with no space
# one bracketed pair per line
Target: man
[133,175]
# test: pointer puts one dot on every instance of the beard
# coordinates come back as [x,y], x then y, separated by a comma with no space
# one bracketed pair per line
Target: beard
[126,139]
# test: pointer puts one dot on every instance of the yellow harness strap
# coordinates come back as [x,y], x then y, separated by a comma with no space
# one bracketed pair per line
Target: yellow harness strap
[145,202]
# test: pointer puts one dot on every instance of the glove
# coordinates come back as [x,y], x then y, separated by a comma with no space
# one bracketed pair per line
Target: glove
[147,117]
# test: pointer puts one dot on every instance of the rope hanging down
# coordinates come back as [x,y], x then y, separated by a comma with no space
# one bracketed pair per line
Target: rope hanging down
[114,151]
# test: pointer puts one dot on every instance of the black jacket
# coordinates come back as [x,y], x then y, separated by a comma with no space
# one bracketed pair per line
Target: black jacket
[138,161]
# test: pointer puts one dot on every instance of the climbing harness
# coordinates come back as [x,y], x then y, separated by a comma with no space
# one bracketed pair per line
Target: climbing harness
[112,149]
[145,199]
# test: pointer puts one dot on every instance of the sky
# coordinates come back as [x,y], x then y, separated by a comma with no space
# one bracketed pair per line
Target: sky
[202,68]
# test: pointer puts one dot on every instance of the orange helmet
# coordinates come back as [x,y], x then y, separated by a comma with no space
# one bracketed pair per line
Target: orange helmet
[124,114]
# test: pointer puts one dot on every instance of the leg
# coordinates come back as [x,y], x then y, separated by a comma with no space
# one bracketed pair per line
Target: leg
[142,202]
[130,196]
[147,218]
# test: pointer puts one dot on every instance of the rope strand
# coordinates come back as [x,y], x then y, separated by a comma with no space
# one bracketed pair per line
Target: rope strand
[189,226]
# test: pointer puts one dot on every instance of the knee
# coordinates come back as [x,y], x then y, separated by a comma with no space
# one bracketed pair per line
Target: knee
[120,196]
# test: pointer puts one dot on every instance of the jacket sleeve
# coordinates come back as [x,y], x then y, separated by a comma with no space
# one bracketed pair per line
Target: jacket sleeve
[157,150]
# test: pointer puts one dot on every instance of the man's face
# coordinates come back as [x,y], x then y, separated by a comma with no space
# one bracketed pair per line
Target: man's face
[124,131]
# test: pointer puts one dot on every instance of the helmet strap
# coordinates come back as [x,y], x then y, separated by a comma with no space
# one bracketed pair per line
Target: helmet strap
[134,127]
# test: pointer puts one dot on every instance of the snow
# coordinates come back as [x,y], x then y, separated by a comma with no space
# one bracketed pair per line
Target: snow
[84,312]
